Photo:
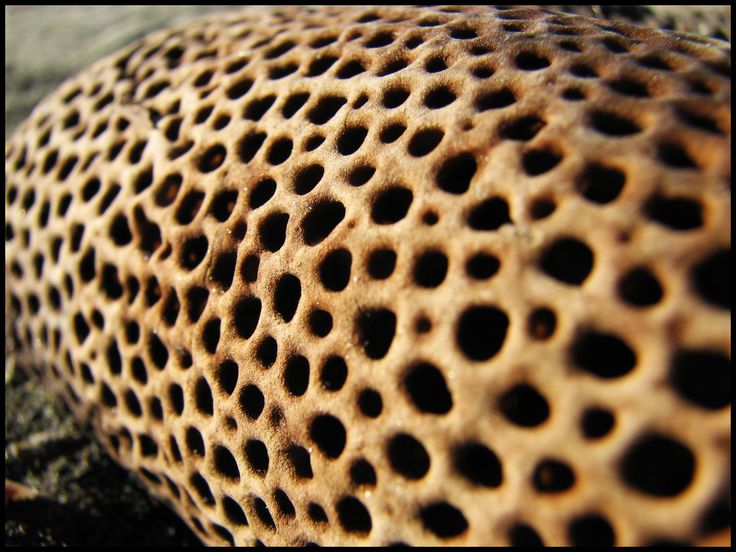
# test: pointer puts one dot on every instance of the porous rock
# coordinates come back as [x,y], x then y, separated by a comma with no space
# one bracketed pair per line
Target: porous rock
[385,275]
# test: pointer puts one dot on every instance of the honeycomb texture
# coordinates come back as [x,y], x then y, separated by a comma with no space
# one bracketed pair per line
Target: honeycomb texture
[392,275]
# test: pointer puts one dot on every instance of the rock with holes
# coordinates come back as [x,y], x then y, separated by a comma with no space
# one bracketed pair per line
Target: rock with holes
[431,276]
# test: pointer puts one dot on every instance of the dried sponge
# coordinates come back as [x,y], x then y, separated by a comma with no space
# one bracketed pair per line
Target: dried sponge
[382,275]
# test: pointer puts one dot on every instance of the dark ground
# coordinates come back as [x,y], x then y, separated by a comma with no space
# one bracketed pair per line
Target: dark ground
[83,497]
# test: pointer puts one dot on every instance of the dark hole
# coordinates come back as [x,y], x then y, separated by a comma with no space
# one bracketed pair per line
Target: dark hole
[233,511]
[354,517]
[211,335]
[380,39]
[361,175]
[252,401]
[601,184]
[168,190]
[149,232]
[522,128]
[483,72]
[583,71]
[717,517]
[530,61]
[435,65]
[350,69]
[90,189]
[495,100]
[139,370]
[479,464]
[300,462]
[225,463]
[223,204]
[463,33]
[482,266]
[376,329]
[108,397]
[249,145]
[370,403]
[654,62]
[143,180]
[245,316]
[677,213]
[110,283]
[491,214]
[307,178]
[615,46]
[224,269]
[239,89]
[257,455]
[711,278]
[455,174]
[286,508]
[114,361]
[675,156]
[392,67]
[481,331]
[81,329]
[257,108]
[430,269]
[176,397]
[408,456]
[280,151]
[322,220]
[351,139]
[702,377]
[444,520]
[262,192]
[193,252]
[178,151]
[698,121]
[250,268]
[381,263]
[132,404]
[267,351]
[430,218]
[567,260]
[320,65]
[553,476]
[317,513]
[414,41]
[273,231]
[320,322]
[108,198]
[314,142]
[439,97]
[334,373]
[524,406]
[424,141]
[391,205]
[197,300]
[362,473]
[629,87]
[613,125]
[279,49]
[536,162]
[542,323]
[325,109]
[659,466]
[522,534]
[602,354]
[293,104]
[427,389]
[189,207]
[287,295]
[296,375]
[591,530]
[227,376]
[597,423]
[64,204]
[263,514]
[573,94]
[328,433]
[334,270]
[157,350]
[392,133]
[640,288]
[394,97]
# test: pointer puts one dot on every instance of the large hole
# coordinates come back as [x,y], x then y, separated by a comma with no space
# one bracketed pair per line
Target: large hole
[481,331]
[568,260]
[478,464]
[601,184]
[263,514]
[394,97]
[252,401]
[591,530]
[245,316]
[603,354]
[225,463]
[430,269]
[408,456]
[455,174]
[552,476]
[322,220]
[287,295]
[280,151]
[262,192]
[227,376]
[296,375]
[212,158]
[658,465]
[482,266]
[334,373]
[614,125]
[354,517]
[491,214]
[293,104]
[439,97]
[424,141]
[211,335]
[711,278]
[521,534]
[427,389]
[334,270]
[233,511]
[328,434]
[495,99]
[203,397]
[531,61]
[249,145]
[640,288]
[307,178]
[300,462]
[258,107]
[524,406]
[702,377]
[193,252]
[444,520]
[325,109]
[267,351]
[203,489]
[273,231]
[376,328]
[522,128]
[224,269]
[540,161]
[676,213]
[256,454]
[351,139]
[391,205]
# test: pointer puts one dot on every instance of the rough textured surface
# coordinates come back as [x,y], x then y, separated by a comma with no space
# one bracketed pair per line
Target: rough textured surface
[611,240]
